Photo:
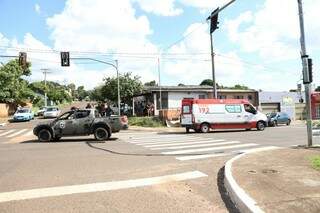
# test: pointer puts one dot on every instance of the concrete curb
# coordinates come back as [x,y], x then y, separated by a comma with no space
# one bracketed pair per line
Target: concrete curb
[239,197]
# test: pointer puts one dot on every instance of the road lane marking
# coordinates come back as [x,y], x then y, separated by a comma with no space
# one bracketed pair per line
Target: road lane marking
[196,157]
[207,149]
[173,142]
[17,133]
[163,140]
[183,143]
[96,187]
[198,145]
[6,133]
[30,133]
[158,136]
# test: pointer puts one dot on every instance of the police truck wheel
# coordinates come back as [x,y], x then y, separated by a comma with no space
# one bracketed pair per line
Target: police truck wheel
[44,135]
[101,134]
[205,128]
[260,126]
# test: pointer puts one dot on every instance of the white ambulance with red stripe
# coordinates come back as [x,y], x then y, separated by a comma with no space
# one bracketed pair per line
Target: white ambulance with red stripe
[202,115]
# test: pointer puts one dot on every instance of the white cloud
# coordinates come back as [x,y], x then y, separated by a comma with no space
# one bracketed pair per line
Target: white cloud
[229,68]
[37,8]
[273,31]
[161,8]
[204,5]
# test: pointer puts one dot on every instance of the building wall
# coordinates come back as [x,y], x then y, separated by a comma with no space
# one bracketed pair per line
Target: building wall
[175,98]
[251,96]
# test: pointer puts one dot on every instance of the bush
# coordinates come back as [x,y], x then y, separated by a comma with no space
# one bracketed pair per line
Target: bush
[145,122]
[315,161]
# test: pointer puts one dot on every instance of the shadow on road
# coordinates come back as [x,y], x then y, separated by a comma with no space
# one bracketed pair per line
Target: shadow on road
[145,154]
[224,194]
[73,140]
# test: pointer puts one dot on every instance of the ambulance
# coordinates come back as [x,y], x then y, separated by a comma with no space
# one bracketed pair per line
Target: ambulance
[202,115]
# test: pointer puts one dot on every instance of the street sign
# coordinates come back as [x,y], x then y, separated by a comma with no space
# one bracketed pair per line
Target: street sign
[65,59]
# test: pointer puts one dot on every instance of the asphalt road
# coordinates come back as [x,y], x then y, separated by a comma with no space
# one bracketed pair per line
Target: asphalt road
[135,171]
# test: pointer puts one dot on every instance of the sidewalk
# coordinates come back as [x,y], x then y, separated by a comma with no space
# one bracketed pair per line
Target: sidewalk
[4,121]
[280,180]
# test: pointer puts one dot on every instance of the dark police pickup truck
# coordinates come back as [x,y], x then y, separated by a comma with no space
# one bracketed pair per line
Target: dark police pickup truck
[78,123]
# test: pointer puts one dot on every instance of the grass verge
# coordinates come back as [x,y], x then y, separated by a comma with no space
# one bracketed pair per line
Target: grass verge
[145,122]
[315,162]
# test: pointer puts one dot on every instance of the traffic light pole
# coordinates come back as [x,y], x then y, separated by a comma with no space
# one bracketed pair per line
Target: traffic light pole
[215,93]
[213,26]
[304,58]
[116,68]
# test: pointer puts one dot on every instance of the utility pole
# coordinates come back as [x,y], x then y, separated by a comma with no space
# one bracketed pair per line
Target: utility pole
[45,72]
[117,68]
[160,92]
[213,26]
[306,74]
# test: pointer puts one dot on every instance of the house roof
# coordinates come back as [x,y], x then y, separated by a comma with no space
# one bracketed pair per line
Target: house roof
[190,88]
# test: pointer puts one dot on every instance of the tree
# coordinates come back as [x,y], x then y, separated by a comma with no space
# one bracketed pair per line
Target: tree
[82,93]
[55,92]
[180,84]
[96,94]
[206,82]
[239,87]
[317,89]
[13,88]
[129,86]
[151,83]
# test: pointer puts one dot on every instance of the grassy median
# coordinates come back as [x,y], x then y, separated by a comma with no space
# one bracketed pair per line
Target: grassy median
[145,122]
[315,162]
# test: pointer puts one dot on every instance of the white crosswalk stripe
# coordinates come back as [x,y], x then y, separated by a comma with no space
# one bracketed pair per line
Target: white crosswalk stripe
[191,147]
[17,133]
[207,149]
[197,145]
[30,133]
[7,132]
[182,143]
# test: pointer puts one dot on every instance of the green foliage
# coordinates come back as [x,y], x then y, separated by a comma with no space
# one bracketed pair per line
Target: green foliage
[13,88]
[55,92]
[96,94]
[240,87]
[315,162]
[180,84]
[151,83]
[317,89]
[129,86]
[206,82]
[145,122]
[81,93]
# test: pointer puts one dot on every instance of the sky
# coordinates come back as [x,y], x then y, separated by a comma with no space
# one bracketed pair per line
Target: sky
[257,43]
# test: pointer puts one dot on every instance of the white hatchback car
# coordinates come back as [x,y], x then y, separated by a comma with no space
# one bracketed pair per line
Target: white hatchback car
[51,112]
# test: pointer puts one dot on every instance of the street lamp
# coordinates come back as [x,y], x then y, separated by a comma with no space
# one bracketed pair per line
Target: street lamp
[114,66]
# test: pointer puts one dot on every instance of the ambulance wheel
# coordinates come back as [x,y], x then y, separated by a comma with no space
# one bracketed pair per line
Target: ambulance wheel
[260,126]
[205,128]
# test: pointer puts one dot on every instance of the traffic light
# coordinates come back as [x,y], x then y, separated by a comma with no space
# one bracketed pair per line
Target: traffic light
[214,20]
[310,70]
[65,59]
[23,59]
[307,74]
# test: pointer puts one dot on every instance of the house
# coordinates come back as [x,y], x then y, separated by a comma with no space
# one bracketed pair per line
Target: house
[171,96]
[290,102]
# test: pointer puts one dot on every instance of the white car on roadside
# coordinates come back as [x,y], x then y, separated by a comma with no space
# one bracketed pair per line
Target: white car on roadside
[51,112]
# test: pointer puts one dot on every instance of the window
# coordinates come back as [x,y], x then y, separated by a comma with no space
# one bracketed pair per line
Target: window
[250,97]
[82,114]
[233,108]
[222,97]
[66,116]
[250,109]
[186,109]
[238,96]
[202,96]
[318,111]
